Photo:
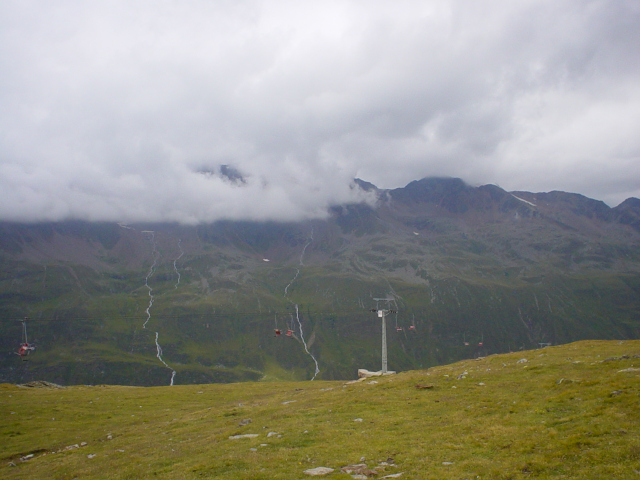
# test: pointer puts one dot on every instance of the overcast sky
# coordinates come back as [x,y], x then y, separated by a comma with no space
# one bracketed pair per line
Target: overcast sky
[124,110]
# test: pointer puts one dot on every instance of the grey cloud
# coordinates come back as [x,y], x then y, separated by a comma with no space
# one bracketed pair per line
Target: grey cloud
[112,108]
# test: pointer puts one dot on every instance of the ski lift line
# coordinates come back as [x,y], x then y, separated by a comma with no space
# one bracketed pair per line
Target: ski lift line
[343,314]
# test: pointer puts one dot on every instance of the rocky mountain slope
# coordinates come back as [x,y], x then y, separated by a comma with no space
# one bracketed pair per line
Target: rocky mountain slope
[470,271]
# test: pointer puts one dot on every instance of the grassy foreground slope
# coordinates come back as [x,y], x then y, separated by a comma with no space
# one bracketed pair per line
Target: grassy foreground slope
[566,412]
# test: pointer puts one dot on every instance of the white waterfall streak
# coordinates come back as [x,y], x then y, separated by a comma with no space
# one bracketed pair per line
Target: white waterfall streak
[286,289]
[292,280]
[155,254]
[175,268]
[152,269]
[305,247]
[159,355]
[305,345]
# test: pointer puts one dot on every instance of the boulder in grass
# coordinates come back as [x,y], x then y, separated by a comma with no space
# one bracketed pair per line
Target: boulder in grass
[359,469]
[318,471]
[248,435]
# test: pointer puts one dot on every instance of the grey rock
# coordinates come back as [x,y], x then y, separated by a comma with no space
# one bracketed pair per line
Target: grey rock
[318,471]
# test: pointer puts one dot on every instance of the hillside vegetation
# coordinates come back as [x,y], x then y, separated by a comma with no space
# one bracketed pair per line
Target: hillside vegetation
[474,271]
[566,412]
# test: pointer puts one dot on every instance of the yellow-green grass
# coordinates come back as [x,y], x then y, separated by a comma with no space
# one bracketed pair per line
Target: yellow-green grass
[568,412]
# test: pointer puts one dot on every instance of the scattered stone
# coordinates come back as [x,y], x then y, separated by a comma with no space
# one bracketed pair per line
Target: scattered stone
[244,422]
[247,435]
[420,386]
[359,477]
[40,384]
[91,455]
[564,380]
[272,434]
[264,444]
[481,384]
[11,464]
[447,463]
[394,475]
[372,382]
[461,376]
[109,436]
[616,392]
[26,457]
[318,471]
[121,451]
[522,360]
[83,444]
[288,402]
[253,449]
[612,359]
[359,469]
[629,370]
[357,420]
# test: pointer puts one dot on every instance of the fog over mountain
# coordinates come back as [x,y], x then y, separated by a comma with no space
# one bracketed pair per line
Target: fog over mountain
[197,111]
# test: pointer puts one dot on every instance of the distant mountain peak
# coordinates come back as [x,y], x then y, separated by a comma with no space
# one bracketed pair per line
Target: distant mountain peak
[231,173]
[366,186]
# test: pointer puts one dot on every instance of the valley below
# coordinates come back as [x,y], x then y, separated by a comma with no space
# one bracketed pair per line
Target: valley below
[467,271]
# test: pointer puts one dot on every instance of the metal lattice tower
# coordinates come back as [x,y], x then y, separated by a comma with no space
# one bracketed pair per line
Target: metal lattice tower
[382,314]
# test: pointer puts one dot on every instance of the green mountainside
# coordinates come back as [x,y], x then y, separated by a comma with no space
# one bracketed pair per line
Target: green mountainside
[472,271]
[561,412]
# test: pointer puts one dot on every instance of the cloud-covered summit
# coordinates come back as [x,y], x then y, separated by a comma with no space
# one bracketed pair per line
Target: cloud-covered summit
[113,110]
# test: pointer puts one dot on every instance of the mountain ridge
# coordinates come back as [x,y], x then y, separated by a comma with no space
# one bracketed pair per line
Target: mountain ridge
[506,270]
